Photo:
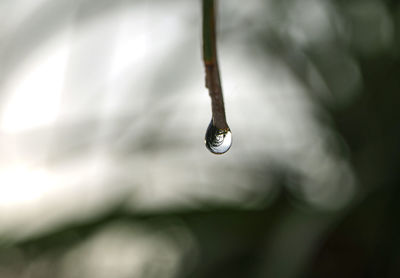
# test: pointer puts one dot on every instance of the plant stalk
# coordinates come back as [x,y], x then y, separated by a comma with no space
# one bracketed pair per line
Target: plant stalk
[213,81]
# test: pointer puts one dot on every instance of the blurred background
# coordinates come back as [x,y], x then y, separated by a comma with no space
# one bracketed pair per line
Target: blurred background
[103,168]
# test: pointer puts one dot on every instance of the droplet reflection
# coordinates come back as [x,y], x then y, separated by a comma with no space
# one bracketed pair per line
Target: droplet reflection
[218,141]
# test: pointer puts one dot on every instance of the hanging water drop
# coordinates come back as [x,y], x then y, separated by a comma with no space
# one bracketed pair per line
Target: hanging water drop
[218,136]
[218,141]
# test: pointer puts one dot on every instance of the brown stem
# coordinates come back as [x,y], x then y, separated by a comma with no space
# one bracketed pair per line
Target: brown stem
[213,81]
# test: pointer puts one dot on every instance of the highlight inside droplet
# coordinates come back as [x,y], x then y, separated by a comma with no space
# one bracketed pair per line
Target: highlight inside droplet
[218,141]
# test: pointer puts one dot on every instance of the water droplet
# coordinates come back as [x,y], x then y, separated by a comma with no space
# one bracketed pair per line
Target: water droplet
[217,140]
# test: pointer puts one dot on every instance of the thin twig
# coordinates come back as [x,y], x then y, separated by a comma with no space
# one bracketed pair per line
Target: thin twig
[213,81]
